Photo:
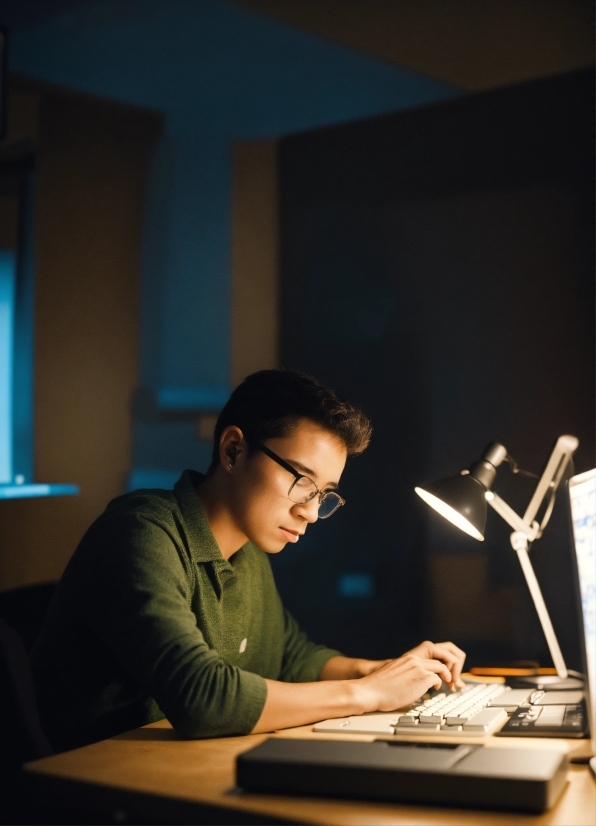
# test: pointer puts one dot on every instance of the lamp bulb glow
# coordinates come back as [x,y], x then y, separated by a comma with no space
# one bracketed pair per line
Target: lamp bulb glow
[449,513]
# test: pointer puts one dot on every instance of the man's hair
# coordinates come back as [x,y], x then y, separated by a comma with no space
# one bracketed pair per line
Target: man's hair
[271,403]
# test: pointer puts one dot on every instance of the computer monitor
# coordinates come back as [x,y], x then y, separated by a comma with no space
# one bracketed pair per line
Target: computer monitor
[582,496]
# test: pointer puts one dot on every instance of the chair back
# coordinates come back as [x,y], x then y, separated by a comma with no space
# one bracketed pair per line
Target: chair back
[25,609]
[21,736]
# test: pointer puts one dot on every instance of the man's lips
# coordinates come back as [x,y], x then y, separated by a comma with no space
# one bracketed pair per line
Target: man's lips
[291,535]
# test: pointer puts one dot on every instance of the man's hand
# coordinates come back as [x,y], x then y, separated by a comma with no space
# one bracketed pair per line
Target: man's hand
[389,684]
[447,653]
[399,682]
[349,668]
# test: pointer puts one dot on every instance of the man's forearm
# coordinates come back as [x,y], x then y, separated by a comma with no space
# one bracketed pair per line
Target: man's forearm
[338,693]
[297,704]
[351,686]
[348,668]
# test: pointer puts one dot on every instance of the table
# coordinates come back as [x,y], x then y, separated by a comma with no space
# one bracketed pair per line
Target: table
[154,774]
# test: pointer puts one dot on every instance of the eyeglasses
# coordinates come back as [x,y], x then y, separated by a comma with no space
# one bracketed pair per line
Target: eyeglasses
[303,489]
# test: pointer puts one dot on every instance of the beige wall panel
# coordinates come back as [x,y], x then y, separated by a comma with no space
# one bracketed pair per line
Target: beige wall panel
[92,164]
[22,116]
[255,282]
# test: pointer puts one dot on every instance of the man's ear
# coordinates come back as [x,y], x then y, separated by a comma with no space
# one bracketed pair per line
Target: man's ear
[231,443]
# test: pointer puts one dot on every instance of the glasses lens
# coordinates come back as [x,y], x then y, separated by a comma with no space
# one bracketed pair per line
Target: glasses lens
[329,505]
[303,490]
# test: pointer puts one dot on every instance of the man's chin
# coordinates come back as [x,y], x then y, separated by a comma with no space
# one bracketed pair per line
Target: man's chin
[271,547]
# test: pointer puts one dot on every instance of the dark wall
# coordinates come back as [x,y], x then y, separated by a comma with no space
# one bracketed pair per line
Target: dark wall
[437,268]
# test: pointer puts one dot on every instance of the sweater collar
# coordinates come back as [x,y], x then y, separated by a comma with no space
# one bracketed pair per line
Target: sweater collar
[202,544]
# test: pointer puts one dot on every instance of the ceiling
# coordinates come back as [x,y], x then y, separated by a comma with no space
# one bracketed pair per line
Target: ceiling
[20,14]
[473,44]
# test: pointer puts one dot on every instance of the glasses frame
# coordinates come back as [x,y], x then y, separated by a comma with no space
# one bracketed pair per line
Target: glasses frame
[297,476]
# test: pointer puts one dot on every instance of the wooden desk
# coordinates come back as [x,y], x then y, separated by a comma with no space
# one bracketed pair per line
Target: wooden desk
[154,774]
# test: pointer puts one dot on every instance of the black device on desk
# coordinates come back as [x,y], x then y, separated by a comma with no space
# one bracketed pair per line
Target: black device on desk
[528,779]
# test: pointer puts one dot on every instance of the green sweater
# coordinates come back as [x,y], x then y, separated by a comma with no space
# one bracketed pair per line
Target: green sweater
[149,620]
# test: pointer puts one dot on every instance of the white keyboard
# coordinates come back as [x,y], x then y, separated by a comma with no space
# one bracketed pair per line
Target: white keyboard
[477,709]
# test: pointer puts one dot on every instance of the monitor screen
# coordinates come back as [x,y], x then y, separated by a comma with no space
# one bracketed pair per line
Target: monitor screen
[582,494]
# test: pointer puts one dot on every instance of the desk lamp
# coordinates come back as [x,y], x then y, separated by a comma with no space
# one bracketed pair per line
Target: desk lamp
[463,499]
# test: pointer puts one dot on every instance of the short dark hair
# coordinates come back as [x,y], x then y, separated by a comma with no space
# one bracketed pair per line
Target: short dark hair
[270,403]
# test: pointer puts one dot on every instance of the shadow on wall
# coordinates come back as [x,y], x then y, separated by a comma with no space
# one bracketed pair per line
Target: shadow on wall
[451,279]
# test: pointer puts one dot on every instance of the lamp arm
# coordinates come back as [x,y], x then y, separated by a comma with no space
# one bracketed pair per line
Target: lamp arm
[521,548]
[551,478]
[526,530]
[523,534]
[511,517]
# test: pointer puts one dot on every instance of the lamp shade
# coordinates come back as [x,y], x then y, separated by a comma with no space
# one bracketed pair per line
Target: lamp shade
[461,500]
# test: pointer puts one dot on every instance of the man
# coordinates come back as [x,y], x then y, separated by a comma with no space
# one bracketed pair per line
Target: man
[168,606]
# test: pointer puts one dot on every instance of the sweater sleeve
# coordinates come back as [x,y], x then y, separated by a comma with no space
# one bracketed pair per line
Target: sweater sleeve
[303,660]
[135,597]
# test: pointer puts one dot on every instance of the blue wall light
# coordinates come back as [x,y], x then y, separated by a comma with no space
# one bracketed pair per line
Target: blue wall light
[356,585]
[7,290]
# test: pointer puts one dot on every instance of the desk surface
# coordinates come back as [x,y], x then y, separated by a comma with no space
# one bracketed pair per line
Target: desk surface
[153,772]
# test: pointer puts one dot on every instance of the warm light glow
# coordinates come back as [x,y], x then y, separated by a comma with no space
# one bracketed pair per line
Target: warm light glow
[449,513]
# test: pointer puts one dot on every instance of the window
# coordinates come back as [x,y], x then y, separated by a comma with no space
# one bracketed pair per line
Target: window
[16,334]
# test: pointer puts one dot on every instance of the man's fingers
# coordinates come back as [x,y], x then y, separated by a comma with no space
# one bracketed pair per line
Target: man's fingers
[457,652]
[439,668]
[434,681]
[452,656]
[439,652]
[460,658]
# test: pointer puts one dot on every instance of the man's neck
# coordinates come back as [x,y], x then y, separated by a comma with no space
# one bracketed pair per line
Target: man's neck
[213,496]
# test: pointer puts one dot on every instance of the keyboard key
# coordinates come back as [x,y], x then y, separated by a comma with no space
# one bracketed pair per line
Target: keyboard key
[408,719]
[486,720]
[510,699]
[432,718]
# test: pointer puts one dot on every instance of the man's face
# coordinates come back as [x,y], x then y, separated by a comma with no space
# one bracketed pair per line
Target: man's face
[261,507]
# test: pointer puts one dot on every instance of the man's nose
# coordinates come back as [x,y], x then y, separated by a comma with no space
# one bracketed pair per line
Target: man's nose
[308,510]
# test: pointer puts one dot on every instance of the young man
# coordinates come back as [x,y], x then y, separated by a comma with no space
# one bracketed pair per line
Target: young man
[168,606]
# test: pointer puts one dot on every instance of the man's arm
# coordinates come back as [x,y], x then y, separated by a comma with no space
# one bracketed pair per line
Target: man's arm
[134,595]
[349,668]
[388,685]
